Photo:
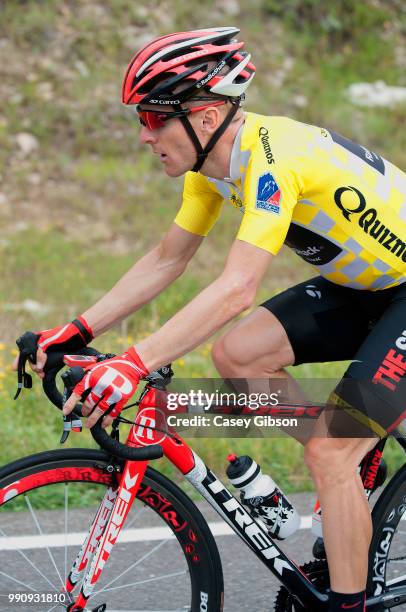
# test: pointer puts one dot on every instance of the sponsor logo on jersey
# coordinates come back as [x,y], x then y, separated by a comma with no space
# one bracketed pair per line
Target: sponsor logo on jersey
[370,223]
[369,157]
[313,248]
[393,367]
[236,201]
[313,291]
[268,194]
[264,137]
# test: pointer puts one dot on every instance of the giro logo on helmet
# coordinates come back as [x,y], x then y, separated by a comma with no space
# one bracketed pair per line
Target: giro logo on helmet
[163,101]
[171,61]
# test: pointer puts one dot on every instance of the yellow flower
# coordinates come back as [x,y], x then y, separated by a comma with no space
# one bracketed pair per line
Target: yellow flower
[180,363]
[2,346]
[14,351]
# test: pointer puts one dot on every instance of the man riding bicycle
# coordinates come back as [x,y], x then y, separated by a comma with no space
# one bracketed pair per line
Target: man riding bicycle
[341,207]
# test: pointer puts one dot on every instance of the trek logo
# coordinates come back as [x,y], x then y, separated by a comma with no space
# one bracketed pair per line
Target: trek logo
[268,194]
[310,253]
[247,527]
[90,545]
[370,223]
[263,134]
[393,367]
[119,513]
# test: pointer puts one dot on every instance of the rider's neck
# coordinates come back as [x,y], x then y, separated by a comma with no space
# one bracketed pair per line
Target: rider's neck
[217,164]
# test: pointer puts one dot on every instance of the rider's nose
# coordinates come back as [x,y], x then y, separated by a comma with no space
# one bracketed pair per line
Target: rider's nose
[146,135]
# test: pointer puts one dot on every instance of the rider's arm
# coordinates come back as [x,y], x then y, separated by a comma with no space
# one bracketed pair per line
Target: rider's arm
[147,278]
[230,294]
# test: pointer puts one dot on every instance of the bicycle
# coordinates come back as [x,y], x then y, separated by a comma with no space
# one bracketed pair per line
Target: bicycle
[111,479]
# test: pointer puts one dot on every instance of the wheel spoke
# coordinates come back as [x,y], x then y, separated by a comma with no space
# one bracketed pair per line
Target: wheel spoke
[36,544]
[35,519]
[138,514]
[27,586]
[24,556]
[139,582]
[148,554]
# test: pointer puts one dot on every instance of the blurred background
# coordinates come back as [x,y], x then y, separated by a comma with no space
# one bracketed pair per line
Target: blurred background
[80,199]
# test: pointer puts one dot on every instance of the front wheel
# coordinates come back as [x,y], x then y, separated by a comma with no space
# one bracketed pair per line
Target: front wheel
[387,556]
[165,557]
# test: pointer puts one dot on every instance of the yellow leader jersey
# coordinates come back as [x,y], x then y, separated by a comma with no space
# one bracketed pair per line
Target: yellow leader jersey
[339,206]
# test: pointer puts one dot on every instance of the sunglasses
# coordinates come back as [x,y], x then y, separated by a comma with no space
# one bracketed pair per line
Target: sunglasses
[155,119]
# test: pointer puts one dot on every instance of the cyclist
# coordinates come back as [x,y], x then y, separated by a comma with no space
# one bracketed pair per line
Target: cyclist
[341,207]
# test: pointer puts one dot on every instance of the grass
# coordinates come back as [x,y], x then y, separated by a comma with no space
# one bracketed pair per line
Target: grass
[89,201]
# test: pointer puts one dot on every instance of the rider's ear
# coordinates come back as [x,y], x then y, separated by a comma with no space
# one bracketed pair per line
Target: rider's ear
[211,119]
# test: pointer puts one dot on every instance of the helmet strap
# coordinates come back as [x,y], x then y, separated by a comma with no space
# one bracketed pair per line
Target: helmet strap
[202,153]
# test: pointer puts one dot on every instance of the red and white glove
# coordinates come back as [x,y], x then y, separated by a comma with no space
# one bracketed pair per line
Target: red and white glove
[109,382]
[66,338]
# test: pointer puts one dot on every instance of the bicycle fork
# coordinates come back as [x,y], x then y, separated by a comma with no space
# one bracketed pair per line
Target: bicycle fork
[103,533]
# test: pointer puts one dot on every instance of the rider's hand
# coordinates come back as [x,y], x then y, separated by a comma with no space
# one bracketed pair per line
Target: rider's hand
[65,338]
[109,382]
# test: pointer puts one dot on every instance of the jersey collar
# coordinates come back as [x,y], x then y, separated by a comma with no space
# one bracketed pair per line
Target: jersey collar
[235,159]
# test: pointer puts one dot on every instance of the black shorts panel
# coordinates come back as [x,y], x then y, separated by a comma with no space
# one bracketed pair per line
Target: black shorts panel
[326,322]
[377,376]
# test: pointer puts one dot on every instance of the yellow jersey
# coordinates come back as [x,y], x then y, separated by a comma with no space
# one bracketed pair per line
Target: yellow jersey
[338,205]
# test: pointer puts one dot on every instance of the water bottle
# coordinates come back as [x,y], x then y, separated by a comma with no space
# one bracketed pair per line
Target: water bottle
[263,497]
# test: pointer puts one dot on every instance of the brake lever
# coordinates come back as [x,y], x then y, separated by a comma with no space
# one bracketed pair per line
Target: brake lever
[27,344]
[72,421]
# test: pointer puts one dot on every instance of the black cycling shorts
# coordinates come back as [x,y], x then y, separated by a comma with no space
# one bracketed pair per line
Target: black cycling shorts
[328,322]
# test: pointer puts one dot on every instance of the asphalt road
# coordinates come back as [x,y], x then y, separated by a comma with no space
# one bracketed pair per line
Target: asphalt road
[249,587]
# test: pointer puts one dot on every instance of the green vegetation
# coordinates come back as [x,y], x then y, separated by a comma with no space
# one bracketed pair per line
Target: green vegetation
[86,200]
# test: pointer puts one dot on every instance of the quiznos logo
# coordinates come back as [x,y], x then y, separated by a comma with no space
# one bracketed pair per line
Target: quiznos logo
[370,223]
[264,137]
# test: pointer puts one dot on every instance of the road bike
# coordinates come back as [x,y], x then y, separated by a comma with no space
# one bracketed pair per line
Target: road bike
[100,561]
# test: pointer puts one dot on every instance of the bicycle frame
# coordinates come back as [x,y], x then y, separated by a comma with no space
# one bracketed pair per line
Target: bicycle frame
[116,504]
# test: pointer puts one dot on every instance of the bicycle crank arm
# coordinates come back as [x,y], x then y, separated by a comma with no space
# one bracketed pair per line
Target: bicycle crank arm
[100,608]
[395,597]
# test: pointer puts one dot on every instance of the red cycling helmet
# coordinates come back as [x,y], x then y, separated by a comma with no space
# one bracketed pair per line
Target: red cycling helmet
[186,59]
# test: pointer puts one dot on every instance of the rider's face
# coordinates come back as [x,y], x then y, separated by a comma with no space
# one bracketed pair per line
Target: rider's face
[172,144]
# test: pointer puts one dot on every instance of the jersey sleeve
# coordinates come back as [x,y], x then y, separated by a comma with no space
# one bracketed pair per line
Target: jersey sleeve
[270,194]
[201,205]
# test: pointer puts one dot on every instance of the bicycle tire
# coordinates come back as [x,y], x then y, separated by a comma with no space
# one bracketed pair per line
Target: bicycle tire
[167,501]
[386,516]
